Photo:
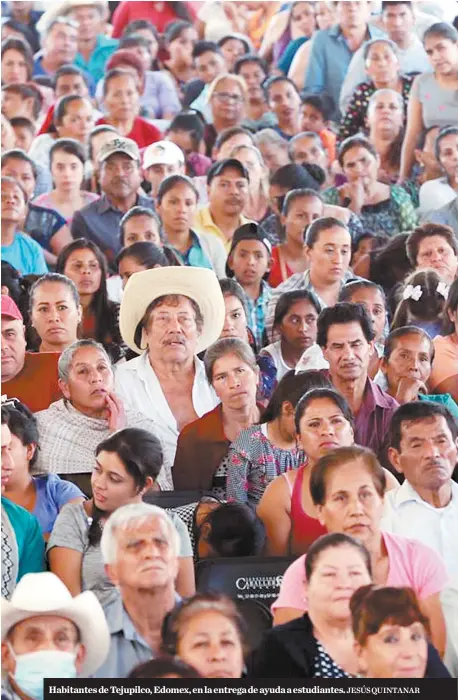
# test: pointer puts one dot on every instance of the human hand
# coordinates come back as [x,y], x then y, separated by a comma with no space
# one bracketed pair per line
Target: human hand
[116,415]
[409,388]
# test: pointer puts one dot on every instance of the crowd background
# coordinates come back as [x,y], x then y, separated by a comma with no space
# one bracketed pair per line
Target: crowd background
[229,298]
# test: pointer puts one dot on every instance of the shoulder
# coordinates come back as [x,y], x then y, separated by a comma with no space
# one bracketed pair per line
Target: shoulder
[19,517]
[205,426]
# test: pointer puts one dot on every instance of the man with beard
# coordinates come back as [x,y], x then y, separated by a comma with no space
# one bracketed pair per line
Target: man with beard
[424,448]
[346,337]
[227,182]
[120,179]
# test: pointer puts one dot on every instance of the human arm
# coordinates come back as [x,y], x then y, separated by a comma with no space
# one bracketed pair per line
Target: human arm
[276,28]
[291,601]
[60,239]
[448,386]
[274,511]
[185,583]
[431,607]
[66,547]
[67,564]
[299,65]
[414,127]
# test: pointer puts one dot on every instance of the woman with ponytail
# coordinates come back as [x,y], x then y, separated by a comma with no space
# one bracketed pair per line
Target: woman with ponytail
[127,465]
[423,297]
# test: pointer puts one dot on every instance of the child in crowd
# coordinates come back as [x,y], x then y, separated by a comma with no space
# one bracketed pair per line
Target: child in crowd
[249,262]
[316,113]
[422,301]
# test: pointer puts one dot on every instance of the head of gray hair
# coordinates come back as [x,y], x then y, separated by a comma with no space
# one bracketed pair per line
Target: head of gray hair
[381,40]
[127,516]
[384,92]
[228,346]
[269,137]
[66,359]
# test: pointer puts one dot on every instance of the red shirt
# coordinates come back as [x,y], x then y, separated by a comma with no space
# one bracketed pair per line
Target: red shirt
[129,11]
[36,384]
[143,133]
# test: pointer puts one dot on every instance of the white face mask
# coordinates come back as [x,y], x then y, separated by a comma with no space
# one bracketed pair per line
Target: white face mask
[32,668]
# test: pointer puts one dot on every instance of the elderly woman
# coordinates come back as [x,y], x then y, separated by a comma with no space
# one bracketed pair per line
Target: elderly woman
[71,429]
[55,312]
[347,487]
[232,371]
[439,192]
[382,67]
[380,207]
[168,316]
[227,96]
[126,465]
[385,121]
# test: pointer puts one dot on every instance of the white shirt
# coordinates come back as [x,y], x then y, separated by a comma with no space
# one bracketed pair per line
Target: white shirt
[274,350]
[407,514]
[136,382]
[435,194]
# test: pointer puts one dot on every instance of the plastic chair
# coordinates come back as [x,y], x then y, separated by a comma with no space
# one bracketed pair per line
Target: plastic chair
[173,499]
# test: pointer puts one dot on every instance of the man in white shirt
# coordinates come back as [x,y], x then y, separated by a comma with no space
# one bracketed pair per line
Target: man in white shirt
[398,20]
[424,448]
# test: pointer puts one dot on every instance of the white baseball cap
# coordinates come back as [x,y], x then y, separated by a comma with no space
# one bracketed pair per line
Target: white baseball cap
[162,153]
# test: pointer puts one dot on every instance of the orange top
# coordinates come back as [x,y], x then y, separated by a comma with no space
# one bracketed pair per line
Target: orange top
[36,384]
[329,139]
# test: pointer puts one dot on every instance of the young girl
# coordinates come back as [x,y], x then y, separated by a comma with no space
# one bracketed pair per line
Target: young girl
[422,302]
[296,316]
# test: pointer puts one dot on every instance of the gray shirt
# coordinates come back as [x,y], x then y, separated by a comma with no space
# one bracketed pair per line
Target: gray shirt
[439,106]
[71,531]
[99,223]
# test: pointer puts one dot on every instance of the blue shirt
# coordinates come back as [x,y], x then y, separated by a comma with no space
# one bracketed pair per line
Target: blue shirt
[103,50]
[194,256]
[52,493]
[25,255]
[38,71]
[256,313]
[30,543]
[328,64]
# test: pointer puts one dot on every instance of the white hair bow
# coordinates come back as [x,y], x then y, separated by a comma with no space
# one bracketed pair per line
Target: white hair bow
[443,289]
[411,292]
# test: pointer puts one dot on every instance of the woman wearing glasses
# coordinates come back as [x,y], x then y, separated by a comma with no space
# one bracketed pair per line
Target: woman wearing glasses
[227,97]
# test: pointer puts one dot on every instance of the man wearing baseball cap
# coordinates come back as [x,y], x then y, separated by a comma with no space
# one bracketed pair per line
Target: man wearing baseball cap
[160,160]
[30,377]
[120,180]
[227,182]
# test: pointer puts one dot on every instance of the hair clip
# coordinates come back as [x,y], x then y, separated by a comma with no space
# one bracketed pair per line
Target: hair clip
[411,292]
[443,289]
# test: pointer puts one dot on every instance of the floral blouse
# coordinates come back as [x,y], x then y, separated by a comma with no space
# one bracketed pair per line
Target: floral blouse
[254,461]
[391,216]
[354,119]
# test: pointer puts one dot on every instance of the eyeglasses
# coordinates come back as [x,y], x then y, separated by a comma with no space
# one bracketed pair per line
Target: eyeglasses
[227,97]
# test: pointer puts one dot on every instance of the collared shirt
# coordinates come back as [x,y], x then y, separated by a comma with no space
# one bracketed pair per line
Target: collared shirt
[203,223]
[137,383]
[329,60]
[104,47]
[195,255]
[447,215]
[256,312]
[373,419]
[301,280]
[39,71]
[127,646]
[99,222]
[407,514]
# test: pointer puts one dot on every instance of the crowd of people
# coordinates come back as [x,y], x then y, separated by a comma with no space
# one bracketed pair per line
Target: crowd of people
[229,309]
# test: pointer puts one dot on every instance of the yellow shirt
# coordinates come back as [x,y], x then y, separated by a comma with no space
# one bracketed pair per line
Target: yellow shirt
[203,223]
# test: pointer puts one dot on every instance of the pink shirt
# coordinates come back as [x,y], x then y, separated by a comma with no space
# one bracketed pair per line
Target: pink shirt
[44,200]
[411,563]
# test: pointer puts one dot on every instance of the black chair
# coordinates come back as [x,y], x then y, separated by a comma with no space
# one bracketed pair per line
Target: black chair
[258,620]
[173,499]
[243,578]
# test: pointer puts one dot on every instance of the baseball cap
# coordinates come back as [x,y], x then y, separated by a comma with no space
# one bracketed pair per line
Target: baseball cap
[162,153]
[119,145]
[248,232]
[220,166]
[10,309]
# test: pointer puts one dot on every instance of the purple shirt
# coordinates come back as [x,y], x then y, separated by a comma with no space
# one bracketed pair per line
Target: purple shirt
[374,417]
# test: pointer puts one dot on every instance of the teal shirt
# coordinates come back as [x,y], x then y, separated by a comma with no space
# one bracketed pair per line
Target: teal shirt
[194,256]
[444,399]
[30,543]
[104,47]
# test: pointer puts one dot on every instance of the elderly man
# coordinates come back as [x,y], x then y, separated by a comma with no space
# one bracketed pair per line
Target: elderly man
[424,448]
[120,179]
[346,338]
[160,160]
[139,548]
[48,634]
[169,315]
[22,543]
[27,376]
[227,182]
[434,246]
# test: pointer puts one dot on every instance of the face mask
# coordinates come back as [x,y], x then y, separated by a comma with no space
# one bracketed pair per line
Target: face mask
[32,668]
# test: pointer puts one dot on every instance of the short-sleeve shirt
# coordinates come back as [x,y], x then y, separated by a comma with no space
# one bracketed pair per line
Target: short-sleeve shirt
[52,493]
[30,544]
[36,385]
[439,106]
[25,255]
[411,564]
[71,531]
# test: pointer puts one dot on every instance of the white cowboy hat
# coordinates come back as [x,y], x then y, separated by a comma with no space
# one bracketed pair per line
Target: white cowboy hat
[62,8]
[45,594]
[197,283]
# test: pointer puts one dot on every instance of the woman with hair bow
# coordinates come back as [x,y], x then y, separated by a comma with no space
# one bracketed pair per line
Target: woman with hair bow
[422,302]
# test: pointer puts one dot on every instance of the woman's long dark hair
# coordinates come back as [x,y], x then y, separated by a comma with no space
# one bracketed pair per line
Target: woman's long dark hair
[141,454]
[100,305]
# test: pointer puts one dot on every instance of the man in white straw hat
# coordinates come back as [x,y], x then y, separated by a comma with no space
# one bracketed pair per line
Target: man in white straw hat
[46,633]
[169,315]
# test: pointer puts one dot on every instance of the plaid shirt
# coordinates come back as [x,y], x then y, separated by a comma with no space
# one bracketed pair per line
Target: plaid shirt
[257,312]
